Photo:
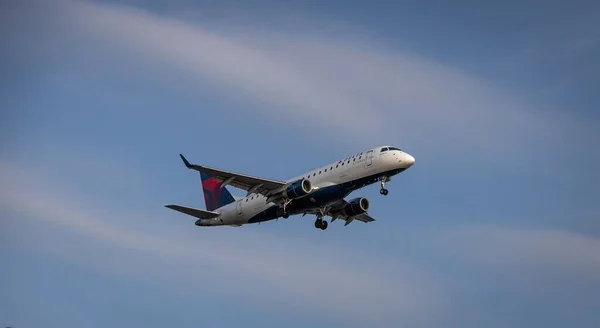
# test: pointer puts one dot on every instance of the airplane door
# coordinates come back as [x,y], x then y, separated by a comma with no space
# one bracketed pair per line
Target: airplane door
[369,156]
[239,207]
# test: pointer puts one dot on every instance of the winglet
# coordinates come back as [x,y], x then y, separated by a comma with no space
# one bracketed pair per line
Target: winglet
[187,164]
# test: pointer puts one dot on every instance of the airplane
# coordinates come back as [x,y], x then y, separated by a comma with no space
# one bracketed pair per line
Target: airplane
[320,192]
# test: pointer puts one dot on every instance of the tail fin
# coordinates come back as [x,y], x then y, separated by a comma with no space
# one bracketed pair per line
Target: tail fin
[214,196]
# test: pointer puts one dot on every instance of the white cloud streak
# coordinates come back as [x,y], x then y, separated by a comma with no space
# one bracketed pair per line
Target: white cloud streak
[563,253]
[377,290]
[257,268]
[391,95]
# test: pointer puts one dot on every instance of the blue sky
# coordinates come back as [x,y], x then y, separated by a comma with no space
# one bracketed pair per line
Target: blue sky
[495,225]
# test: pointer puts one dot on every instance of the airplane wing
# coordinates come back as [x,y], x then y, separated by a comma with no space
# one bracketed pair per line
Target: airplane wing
[364,218]
[335,211]
[241,181]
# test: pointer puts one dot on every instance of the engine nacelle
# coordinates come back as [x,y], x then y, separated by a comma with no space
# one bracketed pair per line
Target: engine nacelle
[298,189]
[357,206]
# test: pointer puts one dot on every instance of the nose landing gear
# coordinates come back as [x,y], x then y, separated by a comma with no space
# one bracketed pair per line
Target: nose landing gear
[384,191]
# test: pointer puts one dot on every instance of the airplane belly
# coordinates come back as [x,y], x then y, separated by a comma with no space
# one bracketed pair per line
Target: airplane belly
[319,197]
[269,213]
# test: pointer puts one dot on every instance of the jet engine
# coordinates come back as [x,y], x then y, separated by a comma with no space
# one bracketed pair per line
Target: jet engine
[297,189]
[357,206]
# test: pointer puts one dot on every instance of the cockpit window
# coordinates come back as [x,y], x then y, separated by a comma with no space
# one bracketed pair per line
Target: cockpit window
[394,148]
[384,149]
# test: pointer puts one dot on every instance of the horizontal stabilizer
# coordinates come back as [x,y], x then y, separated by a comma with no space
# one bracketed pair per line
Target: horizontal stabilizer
[201,214]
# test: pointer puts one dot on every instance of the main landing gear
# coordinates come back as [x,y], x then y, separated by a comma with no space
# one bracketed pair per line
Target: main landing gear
[384,191]
[286,214]
[320,223]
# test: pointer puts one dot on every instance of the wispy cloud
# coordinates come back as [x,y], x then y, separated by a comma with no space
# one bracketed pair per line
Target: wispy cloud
[376,290]
[514,273]
[390,94]
[357,288]
[565,254]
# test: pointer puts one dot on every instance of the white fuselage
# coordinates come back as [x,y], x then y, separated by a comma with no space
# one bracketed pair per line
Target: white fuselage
[373,162]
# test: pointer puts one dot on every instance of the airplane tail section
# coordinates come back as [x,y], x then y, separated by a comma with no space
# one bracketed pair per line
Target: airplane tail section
[215,195]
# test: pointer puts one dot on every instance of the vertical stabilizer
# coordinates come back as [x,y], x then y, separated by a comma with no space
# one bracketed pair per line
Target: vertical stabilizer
[214,196]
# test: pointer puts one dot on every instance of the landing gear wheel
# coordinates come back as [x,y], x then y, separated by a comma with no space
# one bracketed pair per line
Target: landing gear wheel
[323,225]
[286,215]
[383,191]
[318,223]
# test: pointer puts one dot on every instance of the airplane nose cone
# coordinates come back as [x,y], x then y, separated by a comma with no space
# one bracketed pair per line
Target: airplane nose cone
[409,160]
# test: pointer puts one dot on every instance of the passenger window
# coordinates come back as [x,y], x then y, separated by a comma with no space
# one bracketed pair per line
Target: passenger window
[319,172]
[359,157]
[314,174]
[325,170]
